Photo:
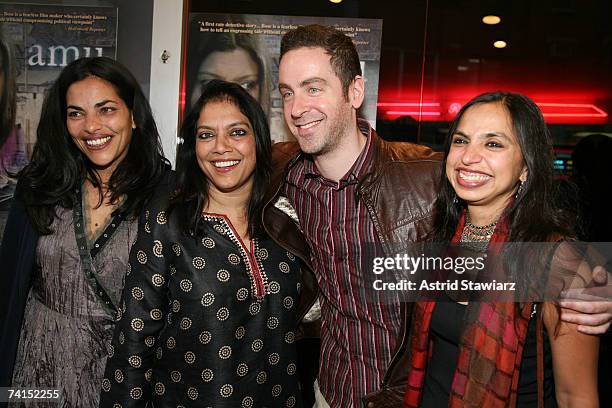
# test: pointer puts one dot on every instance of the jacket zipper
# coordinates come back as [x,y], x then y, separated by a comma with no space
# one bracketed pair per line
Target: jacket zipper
[395,358]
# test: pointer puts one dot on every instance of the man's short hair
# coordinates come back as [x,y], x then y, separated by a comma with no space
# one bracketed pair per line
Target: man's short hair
[344,58]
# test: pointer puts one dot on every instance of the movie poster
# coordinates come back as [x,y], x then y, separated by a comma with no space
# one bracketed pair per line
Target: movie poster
[244,48]
[36,42]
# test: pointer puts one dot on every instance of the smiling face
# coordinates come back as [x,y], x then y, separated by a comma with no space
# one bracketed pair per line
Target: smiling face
[232,66]
[99,122]
[315,108]
[225,148]
[485,164]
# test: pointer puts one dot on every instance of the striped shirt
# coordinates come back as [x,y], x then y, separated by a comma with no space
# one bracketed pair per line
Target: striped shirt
[358,335]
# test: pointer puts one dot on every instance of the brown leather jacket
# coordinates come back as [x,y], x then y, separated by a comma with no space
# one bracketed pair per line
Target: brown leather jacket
[399,194]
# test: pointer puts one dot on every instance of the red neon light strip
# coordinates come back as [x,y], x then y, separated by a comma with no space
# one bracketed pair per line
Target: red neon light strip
[401,113]
[575,115]
[408,104]
[598,113]
[569,105]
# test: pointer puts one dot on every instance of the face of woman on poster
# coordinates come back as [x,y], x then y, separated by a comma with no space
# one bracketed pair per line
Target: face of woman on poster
[225,147]
[99,122]
[485,164]
[235,65]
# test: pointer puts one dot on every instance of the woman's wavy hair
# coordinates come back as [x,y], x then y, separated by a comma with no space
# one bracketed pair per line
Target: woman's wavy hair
[533,215]
[58,167]
[7,92]
[191,196]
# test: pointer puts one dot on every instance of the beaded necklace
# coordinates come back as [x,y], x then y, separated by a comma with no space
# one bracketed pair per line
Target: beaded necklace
[475,237]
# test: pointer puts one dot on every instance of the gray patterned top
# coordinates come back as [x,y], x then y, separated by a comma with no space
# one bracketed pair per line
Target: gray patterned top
[66,328]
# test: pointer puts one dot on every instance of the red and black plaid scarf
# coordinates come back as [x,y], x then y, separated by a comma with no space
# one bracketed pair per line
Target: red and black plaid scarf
[490,349]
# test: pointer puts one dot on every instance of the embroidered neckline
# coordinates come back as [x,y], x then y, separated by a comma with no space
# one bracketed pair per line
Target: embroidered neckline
[255,270]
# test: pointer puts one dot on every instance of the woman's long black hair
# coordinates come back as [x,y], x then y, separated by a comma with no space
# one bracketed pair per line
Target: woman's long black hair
[533,215]
[58,167]
[192,185]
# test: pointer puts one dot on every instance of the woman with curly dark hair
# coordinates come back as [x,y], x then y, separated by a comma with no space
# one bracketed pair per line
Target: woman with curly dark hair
[97,160]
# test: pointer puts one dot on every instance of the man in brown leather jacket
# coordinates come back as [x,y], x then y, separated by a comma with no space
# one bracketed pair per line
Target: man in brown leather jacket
[403,213]
[348,187]
[395,191]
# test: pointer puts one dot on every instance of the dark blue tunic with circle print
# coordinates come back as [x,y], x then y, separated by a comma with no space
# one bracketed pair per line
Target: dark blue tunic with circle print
[204,321]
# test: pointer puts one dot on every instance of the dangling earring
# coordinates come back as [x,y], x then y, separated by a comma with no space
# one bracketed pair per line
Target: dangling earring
[520,189]
[455,199]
